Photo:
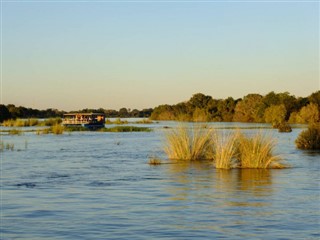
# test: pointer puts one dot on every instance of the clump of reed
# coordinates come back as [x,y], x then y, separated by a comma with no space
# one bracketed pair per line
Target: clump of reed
[226,150]
[15,132]
[185,143]
[310,138]
[43,131]
[117,121]
[257,152]
[234,150]
[154,161]
[6,146]
[30,122]
[125,129]
[144,121]
[57,129]
[51,122]
[20,122]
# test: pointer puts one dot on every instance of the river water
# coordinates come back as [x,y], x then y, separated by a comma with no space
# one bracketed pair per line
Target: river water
[92,185]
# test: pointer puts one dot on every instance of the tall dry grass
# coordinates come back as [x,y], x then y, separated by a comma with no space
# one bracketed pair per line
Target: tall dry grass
[185,143]
[57,129]
[226,150]
[20,122]
[257,152]
[234,150]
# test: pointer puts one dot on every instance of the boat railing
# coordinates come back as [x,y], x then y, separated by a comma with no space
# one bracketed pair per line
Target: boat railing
[73,121]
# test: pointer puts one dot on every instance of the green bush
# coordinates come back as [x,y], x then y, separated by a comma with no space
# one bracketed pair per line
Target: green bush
[310,138]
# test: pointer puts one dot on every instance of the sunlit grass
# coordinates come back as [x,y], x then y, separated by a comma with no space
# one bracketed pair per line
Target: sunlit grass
[57,129]
[51,122]
[31,122]
[20,122]
[225,150]
[15,132]
[125,129]
[144,121]
[154,161]
[117,121]
[257,152]
[185,143]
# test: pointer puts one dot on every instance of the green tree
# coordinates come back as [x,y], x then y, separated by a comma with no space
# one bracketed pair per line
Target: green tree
[275,115]
[199,100]
[247,109]
[226,109]
[200,115]
[309,114]
[4,113]
[315,98]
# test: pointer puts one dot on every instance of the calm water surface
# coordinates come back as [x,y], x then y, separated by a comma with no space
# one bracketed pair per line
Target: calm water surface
[90,185]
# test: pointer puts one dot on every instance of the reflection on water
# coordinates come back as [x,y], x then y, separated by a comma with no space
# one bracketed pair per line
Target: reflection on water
[197,176]
[245,187]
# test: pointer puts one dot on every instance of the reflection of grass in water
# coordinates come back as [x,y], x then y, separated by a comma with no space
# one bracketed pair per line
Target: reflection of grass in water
[256,182]
[254,179]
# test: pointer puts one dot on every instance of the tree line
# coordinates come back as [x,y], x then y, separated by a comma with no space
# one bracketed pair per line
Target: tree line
[11,111]
[275,108]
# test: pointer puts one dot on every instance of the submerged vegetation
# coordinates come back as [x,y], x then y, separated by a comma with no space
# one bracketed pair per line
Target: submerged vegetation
[227,151]
[310,138]
[6,146]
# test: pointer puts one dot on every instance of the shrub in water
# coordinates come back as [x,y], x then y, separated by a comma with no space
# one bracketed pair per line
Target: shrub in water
[310,138]
[189,144]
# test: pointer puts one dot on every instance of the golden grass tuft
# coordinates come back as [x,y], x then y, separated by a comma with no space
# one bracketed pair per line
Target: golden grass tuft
[257,152]
[185,143]
[155,161]
[226,150]
[57,129]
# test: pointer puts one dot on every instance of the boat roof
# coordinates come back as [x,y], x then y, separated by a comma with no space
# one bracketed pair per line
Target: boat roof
[83,114]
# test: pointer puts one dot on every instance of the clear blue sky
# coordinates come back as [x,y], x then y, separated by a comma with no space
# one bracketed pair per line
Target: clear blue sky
[88,54]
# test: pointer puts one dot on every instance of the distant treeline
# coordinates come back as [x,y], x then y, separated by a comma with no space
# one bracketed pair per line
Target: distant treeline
[11,111]
[275,108]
